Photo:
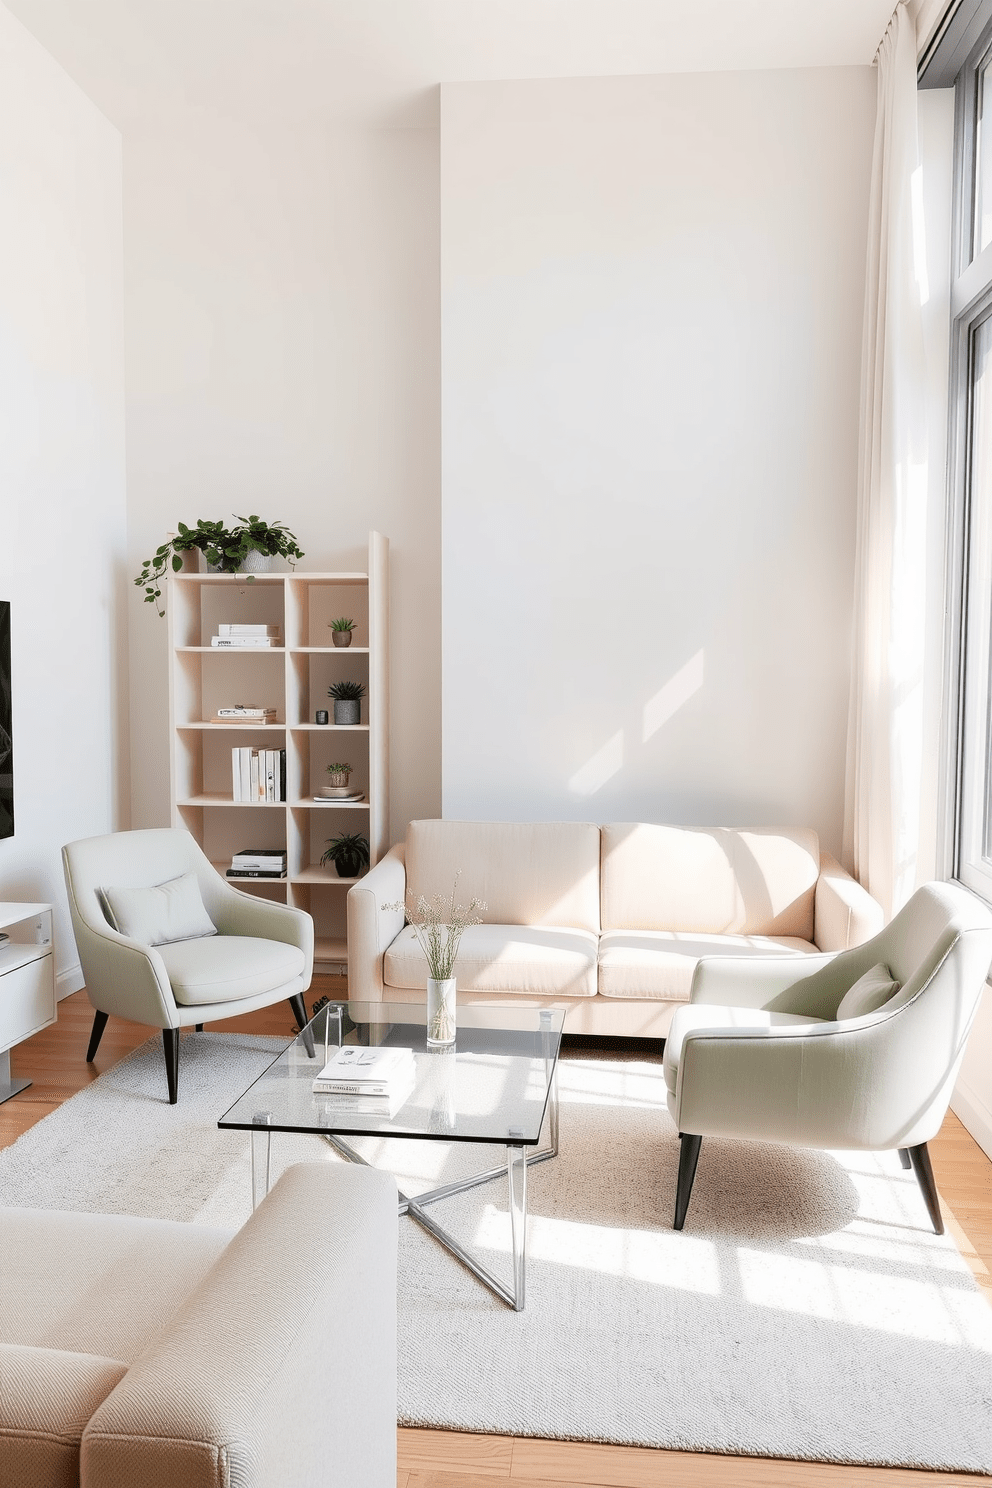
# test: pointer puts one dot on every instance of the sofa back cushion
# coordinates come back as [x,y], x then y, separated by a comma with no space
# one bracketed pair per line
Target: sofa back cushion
[713,880]
[526,873]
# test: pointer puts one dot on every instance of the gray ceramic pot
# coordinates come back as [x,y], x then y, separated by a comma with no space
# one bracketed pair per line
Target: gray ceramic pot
[341,637]
[347,710]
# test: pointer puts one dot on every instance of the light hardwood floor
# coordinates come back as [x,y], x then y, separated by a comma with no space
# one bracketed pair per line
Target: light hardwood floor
[55,1060]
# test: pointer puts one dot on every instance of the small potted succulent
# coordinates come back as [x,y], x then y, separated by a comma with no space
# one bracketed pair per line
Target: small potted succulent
[341,631]
[347,701]
[349,853]
[338,775]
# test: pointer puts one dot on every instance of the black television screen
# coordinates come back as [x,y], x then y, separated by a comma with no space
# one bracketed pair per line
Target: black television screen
[6,728]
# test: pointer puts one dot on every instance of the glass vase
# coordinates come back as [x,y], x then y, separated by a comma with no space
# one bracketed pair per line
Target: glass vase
[441,1022]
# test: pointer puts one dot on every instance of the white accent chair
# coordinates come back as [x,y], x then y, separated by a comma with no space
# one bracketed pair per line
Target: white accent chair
[262,952]
[760,1052]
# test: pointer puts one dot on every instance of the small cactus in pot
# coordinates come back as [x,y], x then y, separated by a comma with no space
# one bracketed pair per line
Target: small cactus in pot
[347,701]
[338,775]
[341,631]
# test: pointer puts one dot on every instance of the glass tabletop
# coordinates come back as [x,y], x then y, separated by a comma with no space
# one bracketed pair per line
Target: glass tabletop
[492,1085]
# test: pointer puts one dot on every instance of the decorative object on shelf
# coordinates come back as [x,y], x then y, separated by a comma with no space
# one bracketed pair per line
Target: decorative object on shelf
[321,715]
[347,701]
[250,546]
[341,631]
[173,556]
[439,924]
[338,775]
[349,853]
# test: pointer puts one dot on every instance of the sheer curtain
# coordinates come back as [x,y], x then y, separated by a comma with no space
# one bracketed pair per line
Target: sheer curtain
[885,727]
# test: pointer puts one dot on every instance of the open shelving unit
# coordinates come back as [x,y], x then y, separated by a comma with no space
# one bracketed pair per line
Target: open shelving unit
[292,678]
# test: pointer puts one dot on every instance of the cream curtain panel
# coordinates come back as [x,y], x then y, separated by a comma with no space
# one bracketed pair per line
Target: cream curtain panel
[884,747]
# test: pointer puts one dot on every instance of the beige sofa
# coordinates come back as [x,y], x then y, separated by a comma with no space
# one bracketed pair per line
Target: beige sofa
[608,922]
[141,1353]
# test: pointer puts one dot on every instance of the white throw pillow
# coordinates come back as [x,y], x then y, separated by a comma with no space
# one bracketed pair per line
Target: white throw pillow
[869,993]
[158,916]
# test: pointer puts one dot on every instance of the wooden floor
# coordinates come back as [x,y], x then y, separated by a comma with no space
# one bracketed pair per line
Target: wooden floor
[55,1060]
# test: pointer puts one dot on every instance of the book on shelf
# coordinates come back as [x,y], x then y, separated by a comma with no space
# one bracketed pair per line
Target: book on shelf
[260,857]
[258,775]
[240,718]
[246,643]
[245,711]
[353,1070]
[233,872]
[228,629]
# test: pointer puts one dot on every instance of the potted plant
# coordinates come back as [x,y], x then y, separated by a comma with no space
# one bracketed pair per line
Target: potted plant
[338,775]
[206,537]
[341,631]
[347,701]
[349,853]
[253,545]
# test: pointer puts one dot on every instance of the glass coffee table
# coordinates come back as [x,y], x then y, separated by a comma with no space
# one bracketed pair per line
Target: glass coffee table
[494,1086]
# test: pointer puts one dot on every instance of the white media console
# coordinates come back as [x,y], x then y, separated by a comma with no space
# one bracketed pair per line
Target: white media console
[27,982]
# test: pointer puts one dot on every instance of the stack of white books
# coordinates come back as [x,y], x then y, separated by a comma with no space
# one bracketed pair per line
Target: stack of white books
[258,775]
[258,862]
[244,715]
[367,1081]
[247,636]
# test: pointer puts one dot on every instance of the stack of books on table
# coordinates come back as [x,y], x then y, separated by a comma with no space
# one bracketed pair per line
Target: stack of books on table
[367,1082]
[258,862]
[244,715]
[258,775]
[248,637]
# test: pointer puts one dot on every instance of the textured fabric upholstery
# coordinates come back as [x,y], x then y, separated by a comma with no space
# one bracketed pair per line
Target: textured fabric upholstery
[526,873]
[661,963]
[46,1399]
[868,994]
[873,1082]
[244,1362]
[705,1016]
[713,880]
[845,914]
[130,979]
[224,968]
[160,914]
[505,958]
[280,1368]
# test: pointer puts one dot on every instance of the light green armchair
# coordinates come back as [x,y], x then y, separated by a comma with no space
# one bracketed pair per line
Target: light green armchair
[262,952]
[768,1050]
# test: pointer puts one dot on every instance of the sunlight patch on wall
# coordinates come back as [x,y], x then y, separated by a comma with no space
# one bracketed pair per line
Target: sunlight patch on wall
[670,698]
[600,768]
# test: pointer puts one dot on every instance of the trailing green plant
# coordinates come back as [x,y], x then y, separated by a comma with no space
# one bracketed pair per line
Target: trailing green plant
[223,547]
[342,624]
[208,537]
[346,692]
[349,853]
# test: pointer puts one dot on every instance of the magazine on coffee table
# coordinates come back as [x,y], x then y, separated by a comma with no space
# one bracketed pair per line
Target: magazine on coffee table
[357,1071]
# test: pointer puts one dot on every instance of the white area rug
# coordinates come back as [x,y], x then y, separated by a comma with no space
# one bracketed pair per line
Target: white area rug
[806,1311]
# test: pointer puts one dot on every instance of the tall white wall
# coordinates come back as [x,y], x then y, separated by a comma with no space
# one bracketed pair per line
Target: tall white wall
[283,358]
[62,514]
[652,296]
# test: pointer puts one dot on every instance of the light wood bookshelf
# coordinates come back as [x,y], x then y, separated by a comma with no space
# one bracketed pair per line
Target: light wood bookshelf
[292,678]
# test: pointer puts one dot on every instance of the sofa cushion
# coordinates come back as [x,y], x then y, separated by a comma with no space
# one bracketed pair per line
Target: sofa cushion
[46,1400]
[126,1279]
[226,967]
[538,961]
[710,1015]
[526,873]
[660,963]
[716,880]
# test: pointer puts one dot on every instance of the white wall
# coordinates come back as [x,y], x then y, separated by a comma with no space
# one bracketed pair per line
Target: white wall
[283,358]
[61,470]
[652,297]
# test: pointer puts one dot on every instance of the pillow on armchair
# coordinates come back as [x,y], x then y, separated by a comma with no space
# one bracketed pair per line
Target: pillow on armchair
[160,915]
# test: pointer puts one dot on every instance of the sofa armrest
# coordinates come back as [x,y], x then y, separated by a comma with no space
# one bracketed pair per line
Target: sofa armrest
[371,928]
[750,981]
[844,913]
[281,1365]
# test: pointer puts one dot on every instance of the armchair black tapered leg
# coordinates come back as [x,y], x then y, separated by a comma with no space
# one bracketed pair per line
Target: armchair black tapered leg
[300,1013]
[199,1027]
[688,1158]
[905,1158]
[924,1176]
[170,1038]
[99,1024]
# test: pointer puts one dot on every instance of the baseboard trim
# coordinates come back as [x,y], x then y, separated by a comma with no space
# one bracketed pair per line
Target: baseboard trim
[68,981]
[974,1115]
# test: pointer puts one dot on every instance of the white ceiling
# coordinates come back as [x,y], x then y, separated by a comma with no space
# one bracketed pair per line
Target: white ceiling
[379,61]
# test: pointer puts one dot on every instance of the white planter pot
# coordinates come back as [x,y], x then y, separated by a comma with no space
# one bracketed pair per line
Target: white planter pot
[441,1018]
[257,562]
